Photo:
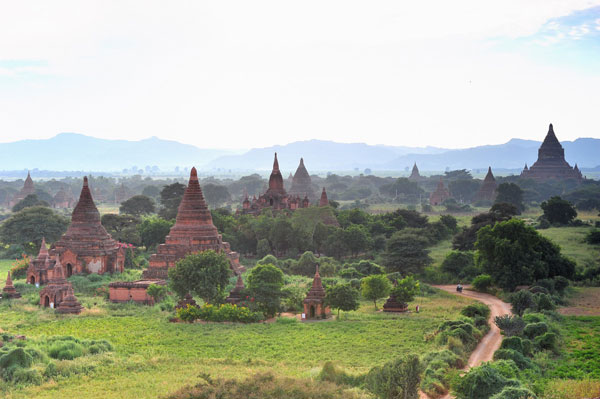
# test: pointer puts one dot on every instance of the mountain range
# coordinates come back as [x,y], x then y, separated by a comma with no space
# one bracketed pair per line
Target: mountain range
[71,151]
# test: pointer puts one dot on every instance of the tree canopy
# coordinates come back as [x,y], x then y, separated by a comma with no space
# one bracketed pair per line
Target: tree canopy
[30,201]
[558,211]
[170,198]
[264,283]
[31,225]
[138,205]
[375,287]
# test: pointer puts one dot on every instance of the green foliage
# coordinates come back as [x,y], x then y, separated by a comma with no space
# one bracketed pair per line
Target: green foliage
[521,301]
[398,379]
[543,302]
[510,354]
[219,313]
[123,228]
[205,274]
[264,283]
[514,254]
[514,393]
[31,225]
[512,194]
[460,264]
[153,230]
[19,267]
[482,382]
[476,309]
[546,341]
[482,283]
[533,330]
[510,324]
[30,201]
[170,198]
[262,386]
[342,297]
[406,289]
[157,292]
[406,253]
[558,211]
[375,287]
[138,205]
[332,373]
[215,194]
[65,350]
[514,343]
[593,237]
[437,365]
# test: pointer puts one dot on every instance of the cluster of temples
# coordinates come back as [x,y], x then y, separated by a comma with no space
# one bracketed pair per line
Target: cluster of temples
[276,196]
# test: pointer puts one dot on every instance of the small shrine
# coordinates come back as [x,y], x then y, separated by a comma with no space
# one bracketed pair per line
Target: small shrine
[314,303]
[235,296]
[69,304]
[187,300]
[393,304]
[324,201]
[9,291]
[28,189]
[487,191]
[57,288]
[37,272]
[440,194]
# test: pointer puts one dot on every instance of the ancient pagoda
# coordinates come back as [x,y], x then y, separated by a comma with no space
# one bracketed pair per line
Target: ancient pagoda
[69,304]
[57,288]
[314,303]
[275,197]
[27,189]
[487,191]
[301,183]
[415,175]
[193,232]
[551,163]
[440,194]
[37,272]
[86,246]
[235,296]
[63,199]
[324,201]
[9,291]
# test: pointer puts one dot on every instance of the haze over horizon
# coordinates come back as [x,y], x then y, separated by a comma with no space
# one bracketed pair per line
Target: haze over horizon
[242,75]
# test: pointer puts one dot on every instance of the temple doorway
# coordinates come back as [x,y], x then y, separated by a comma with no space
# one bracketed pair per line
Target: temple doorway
[32,280]
[46,301]
[312,312]
[69,270]
[271,201]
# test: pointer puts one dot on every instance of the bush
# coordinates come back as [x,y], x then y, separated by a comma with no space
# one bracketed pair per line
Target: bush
[19,267]
[510,325]
[521,301]
[65,350]
[482,382]
[460,264]
[543,302]
[482,283]
[399,378]
[221,313]
[514,343]
[509,354]
[514,393]
[533,330]
[331,373]
[476,309]
[534,318]
[546,341]
[507,368]
[593,237]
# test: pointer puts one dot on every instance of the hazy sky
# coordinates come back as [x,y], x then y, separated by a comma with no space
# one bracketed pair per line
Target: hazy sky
[241,74]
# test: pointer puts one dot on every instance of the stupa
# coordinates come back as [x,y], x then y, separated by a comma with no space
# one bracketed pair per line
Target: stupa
[440,194]
[415,175]
[324,201]
[187,300]
[9,291]
[314,303]
[235,296]
[37,272]
[301,183]
[27,189]
[551,163]
[193,232]
[86,246]
[56,290]
[69,304]
[487,191]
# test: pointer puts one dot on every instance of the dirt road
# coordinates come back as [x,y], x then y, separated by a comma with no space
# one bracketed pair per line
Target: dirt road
[484,352]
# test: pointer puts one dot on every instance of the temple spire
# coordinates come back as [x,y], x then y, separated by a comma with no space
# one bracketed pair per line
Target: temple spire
[275,164]
[43,250]
[324,201]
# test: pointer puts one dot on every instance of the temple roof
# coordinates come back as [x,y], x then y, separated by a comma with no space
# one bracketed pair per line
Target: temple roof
[490,176]
[415,172]
[276,179]
[85,211]
[43,250]
[317,292]
[551,140]
[28,182]
[324,201]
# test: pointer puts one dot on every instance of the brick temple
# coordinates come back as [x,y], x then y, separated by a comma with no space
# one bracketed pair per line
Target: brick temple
[314,303]
[414,174]
[125,291]
[440,194]
[59,290]
[551,163]
[276,197]
[323,201]
[27,189]
[487,191]
[301,183]
[193,232]
[9,291]
[86,247]
[63,199]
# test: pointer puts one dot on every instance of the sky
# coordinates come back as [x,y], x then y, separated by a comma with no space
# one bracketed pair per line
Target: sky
[244,74]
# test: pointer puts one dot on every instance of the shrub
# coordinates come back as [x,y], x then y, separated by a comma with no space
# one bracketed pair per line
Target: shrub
[482,382]
[510,325]
[65,350]
[514,343]
[157,292]
[593,237]
[546,341]
[459,264]
[19,267]
[437,364]
[476,309]
[220,313]
[509,354]
[533,330]
[534,318]
[543,302]
[399,378]
[482,283]
[521,301]
[514,393]
[331,373]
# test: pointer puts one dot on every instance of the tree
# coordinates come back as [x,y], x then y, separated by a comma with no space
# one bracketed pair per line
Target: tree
[122,228]
[215,194]
[375,287]
[465,240]
[30,201]
[265,282]
[356,238]
[398,379]
[281,235]
[406,253]
[459,264]
[515,254]
[157,292]
[151,191]
[138,205]
[170,198]
[305,265]
[342,297]
[510,193]
[521,301]
[406,289]
[153,230]
[31,225]
[205,274]
[558,211]
[481,383]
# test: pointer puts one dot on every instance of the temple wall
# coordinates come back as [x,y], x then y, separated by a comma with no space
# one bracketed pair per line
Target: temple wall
[136,294]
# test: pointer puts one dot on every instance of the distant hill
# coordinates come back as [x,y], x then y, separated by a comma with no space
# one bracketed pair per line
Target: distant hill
[71,151]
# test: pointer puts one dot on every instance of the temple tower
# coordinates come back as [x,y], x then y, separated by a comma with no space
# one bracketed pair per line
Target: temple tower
[440,194]
[415,175]
[314,303]
[301,182]
[324,201]
[487,191]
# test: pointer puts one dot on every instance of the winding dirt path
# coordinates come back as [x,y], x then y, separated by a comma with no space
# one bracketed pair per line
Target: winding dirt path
[484,352]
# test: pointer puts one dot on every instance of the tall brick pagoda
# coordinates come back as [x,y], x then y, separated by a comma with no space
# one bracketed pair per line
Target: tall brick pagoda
[415,175]
[551,163]
[487,191]
[301,183]
[314,303]
[28,189]
[324,201]
[440,194]
[86,246]
[193,232]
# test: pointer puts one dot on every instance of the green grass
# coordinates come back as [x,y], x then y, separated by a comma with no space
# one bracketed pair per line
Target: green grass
[571,242]
[153,357]
[5,266]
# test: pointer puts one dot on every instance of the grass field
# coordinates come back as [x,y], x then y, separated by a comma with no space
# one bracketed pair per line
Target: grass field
[571,241]
[154,357]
